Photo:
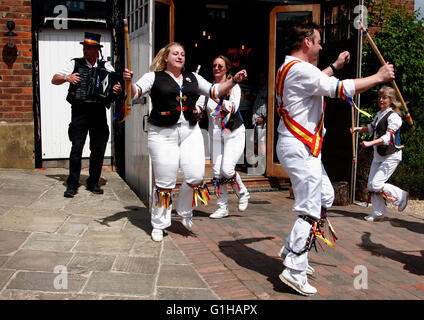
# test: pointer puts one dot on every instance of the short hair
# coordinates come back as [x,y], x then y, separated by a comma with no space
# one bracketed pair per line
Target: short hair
[299,32]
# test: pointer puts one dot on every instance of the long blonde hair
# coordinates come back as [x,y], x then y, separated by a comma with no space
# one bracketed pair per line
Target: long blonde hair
[391,93]
[158,63]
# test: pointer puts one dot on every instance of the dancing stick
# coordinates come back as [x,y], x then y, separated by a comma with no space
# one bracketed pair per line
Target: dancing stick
[353,135]
[128,84]
[380,57]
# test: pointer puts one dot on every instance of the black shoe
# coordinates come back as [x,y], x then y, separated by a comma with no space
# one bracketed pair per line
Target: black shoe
[95,189]
[70,192]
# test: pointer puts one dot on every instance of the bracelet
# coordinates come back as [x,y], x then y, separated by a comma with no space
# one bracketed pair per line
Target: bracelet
[65,77]
[333,68]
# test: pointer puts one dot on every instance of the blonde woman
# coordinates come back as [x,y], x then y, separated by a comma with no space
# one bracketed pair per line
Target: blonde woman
[387,154]
[227,139]
[174,136]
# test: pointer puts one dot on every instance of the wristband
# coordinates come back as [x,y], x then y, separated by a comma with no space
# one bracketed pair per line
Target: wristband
[333,68]
[65,77]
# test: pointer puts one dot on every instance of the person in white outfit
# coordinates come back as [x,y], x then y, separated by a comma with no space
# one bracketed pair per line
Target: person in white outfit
[174,136]
[300,88]
[387,154]
[227,139]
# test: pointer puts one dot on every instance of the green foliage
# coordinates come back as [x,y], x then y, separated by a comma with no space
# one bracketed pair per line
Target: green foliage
[399,35]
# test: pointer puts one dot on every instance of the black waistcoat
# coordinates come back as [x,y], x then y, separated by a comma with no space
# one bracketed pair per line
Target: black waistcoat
[80,63]
[380,130]
[165,95]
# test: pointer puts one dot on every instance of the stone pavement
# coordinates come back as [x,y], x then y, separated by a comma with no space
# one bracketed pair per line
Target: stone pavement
[99,247]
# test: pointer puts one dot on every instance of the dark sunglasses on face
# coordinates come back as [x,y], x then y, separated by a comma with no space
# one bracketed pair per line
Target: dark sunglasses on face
[220,66]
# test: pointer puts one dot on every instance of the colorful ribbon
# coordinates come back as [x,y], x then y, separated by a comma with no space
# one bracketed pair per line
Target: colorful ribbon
[163,199]
[201,193]
[342,94]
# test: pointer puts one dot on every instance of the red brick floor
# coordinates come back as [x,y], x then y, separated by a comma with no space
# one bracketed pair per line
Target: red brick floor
[237,255]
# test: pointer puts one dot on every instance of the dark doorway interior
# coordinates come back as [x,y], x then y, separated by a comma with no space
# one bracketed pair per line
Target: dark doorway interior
[237,29]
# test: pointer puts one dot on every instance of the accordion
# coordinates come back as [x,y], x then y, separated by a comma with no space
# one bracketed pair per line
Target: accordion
[96,86]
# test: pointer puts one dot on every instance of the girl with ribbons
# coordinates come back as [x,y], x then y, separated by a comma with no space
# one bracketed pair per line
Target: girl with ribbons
[174,136]
[227,139]
[387,154]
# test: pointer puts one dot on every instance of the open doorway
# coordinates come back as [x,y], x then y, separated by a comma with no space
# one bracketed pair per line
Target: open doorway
[238,30]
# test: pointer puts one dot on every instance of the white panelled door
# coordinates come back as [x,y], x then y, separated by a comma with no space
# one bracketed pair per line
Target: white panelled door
[56,48]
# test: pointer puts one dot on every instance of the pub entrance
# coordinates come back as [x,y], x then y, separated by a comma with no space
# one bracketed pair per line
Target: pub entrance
[252,34]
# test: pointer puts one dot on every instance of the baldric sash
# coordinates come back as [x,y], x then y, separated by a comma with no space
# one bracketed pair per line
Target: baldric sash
[313,141]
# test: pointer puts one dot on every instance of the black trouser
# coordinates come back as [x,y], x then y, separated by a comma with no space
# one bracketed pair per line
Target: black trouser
[91,119]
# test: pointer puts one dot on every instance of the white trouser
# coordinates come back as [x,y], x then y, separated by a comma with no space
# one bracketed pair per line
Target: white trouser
[170,148]
[226,150]
[380,172]
[312,190]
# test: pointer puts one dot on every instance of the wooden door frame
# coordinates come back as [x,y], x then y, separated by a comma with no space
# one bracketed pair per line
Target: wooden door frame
[274,169]
[171,18]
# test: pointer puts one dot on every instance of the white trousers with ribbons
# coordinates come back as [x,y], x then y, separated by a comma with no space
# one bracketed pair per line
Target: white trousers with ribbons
[226,149]
[170,148]
[312,190]
[380,172]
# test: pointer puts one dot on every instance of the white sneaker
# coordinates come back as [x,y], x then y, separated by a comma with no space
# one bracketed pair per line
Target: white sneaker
[373,217]
[298,281]
[220,213]
[157,235]
[243,201]
[284,251]
[187,222]
[404,201]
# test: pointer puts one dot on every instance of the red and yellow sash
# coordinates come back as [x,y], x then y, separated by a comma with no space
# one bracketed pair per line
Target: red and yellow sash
[313,141]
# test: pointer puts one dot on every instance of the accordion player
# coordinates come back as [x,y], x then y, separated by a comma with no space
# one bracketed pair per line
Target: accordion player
[96,86]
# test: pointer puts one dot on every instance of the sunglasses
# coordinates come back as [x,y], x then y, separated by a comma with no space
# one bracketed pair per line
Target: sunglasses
[219,66]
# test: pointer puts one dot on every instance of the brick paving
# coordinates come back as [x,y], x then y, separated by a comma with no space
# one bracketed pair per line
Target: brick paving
[238,255]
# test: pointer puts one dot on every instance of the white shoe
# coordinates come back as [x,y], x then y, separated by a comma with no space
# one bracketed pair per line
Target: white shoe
[373,217]
[243,201]
[187,222]
[157,235]
[220,213]
[298,281]
[404,201]
[284,251]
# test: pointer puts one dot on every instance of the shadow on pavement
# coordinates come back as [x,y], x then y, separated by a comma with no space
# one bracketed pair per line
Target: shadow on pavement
[413,263]
[138,216]
[255,260]
[409,225]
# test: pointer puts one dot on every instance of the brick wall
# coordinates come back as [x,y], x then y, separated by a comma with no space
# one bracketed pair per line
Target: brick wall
[16,101]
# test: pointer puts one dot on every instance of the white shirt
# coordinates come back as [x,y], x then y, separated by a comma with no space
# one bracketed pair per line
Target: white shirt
[145,84]
[304,89]
[230,105]
[394,122]
[69,67]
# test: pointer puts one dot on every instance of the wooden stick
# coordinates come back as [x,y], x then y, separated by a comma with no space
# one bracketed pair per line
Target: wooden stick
[380,57]
[353,136]
[128,84]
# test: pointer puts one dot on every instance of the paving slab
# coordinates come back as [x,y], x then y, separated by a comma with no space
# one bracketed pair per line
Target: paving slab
[26,219]
[120,283]
[107,242]
[37,260]
[47,281]
[11,241]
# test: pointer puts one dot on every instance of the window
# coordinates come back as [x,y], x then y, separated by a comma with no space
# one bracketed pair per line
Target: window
[337,20]
[137,13]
